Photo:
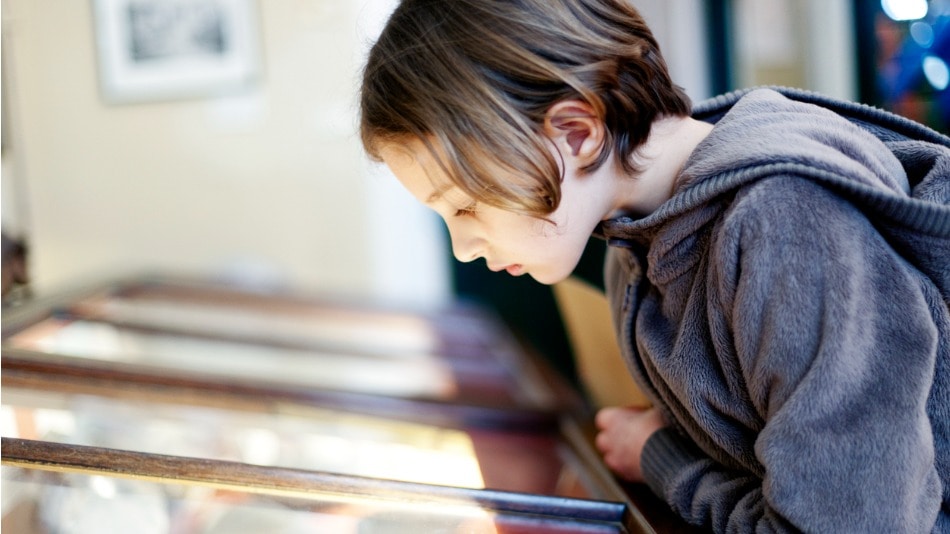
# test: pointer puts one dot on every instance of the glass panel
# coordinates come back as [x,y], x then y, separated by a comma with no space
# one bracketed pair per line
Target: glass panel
[457,332]
[300,437]
[39,502]
[409,375]
[457,354]
[357,330]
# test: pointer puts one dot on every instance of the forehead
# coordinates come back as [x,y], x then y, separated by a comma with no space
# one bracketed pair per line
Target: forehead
[418,169]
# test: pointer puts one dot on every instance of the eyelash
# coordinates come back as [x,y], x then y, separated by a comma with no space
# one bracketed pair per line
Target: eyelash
[467,210]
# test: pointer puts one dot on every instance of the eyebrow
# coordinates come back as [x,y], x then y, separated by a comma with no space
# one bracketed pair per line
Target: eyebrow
[439,193]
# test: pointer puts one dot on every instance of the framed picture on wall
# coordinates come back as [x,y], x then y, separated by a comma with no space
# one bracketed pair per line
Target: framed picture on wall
[170,49]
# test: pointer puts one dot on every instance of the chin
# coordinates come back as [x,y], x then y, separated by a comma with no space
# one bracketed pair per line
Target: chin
[555,270]
[548,279]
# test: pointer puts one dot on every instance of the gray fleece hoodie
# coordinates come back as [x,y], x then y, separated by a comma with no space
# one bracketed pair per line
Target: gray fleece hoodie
[788,312]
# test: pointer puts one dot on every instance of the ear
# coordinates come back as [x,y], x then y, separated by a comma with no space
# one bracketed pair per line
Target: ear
[575,129]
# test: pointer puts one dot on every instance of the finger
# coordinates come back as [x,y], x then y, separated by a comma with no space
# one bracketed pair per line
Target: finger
[605,417]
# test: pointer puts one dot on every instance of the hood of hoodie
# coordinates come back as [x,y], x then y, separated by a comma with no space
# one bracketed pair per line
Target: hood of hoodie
[766,128]
[893,169]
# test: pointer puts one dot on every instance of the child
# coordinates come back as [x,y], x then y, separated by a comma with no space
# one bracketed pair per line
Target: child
[780,262]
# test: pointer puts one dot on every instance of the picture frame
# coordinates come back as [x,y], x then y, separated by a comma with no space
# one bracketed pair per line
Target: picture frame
[152,50]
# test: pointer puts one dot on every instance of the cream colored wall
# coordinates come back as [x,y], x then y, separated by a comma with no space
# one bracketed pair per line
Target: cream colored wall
[799,43]
[269,181]
[679,27]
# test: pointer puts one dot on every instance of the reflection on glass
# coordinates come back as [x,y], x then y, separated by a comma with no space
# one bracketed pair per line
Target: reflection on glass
[315,439]
[302,437]
[360,331]
[408,375]
[40,502]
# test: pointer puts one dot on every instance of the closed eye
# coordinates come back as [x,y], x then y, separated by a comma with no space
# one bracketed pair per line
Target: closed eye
[467,210]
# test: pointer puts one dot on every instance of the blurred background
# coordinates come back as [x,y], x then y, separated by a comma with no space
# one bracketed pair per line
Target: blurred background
[217,138]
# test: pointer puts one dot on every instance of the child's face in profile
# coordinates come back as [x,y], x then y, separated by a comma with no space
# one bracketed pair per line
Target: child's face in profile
[507,240]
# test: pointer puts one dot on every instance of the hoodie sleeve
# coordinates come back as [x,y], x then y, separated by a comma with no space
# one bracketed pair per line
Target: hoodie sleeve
[836,344]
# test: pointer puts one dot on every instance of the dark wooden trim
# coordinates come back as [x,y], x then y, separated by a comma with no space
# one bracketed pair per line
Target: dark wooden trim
[297,483]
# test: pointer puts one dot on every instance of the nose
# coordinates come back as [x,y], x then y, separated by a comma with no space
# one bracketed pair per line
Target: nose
[465,246]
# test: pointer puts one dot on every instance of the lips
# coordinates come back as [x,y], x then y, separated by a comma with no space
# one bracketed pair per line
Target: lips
[515,270]
[511,268]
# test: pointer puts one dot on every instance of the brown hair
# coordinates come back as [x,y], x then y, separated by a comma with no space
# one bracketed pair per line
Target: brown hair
[476,77]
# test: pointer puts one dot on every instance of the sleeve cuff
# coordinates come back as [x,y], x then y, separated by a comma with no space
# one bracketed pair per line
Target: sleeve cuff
[666,454]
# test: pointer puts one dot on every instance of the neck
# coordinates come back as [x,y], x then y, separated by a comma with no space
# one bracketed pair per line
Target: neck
[662,158]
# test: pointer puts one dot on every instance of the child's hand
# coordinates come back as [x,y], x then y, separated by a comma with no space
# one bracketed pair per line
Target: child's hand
[623,433]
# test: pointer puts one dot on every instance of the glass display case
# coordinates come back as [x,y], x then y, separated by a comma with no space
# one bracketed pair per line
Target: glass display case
[190,407]
[283,434]
[184,328]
